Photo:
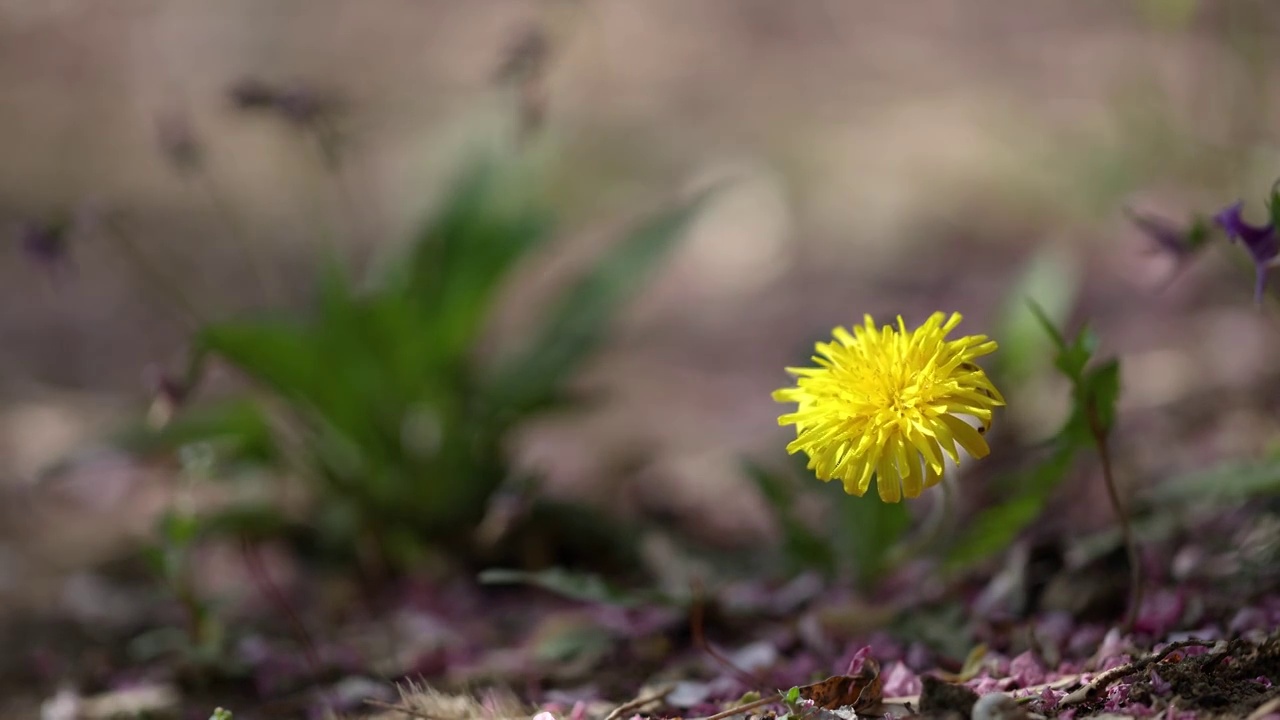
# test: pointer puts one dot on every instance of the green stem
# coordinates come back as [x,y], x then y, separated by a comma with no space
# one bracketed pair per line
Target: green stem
[935,523]
[160,282]
[1101,439]
[267,287]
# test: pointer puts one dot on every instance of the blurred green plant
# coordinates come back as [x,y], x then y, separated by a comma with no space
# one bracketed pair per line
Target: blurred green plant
[202,641]
[1095,389]
[378,398]
[858,541]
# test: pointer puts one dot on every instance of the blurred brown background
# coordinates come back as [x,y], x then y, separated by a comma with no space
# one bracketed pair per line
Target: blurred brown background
[889,157]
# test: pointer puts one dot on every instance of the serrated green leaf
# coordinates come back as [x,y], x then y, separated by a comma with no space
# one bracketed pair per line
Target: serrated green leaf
[803,547]
[577,323]
[869,530]
[995,528]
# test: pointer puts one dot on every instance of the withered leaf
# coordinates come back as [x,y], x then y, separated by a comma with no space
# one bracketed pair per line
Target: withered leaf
[860,692]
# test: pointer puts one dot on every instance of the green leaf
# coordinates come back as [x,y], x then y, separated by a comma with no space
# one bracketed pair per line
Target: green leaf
[803,548]
[577,323]
[281,355]
[576,586]
[256,521]
[179,528]
[237,429]
[793,696]
[1227,483]
[471,241]
[995,528]
[1048,325]
[1101,390]
[1042,296]
[869,530]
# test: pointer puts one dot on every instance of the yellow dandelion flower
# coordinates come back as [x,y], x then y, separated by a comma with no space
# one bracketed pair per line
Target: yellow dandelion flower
[888,402]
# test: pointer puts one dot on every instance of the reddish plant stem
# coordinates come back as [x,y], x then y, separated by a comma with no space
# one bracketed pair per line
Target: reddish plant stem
[263,579]
[1100,438]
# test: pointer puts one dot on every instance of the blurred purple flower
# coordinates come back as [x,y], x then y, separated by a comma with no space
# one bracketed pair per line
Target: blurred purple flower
[168,395]
[45,243]
[1259,240]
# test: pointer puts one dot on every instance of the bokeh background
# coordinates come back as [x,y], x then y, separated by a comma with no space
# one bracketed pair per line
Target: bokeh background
[885,158]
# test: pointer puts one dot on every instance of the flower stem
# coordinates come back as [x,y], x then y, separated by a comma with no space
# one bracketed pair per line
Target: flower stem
[171,291]
[934,523]
[1101,440]
[267,287]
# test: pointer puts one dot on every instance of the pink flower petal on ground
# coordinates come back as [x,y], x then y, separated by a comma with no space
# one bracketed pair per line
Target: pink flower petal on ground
[1159,685]
[1161,612]
[1049,698]
[900,681]
[856,662]
[985,684]
[1112,644]
[1026,669]
[1250,618]
[1117,695]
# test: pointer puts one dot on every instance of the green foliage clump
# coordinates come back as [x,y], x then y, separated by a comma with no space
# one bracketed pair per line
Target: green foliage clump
[378,398]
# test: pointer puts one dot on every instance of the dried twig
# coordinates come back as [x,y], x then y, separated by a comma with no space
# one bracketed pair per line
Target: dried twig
[1104,680]
[696,621]
[639,702]
[743,708]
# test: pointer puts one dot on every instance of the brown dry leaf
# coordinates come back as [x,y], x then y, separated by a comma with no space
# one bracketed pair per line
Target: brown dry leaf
[861,692]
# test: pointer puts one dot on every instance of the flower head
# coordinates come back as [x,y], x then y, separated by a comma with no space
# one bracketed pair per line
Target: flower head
[887,401]
[1259,240]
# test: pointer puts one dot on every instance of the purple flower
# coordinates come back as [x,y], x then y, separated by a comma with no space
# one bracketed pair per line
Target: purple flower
[1259,240]
[44,242]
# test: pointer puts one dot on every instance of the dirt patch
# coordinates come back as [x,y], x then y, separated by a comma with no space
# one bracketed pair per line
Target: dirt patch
[940,699]
[1231,682]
